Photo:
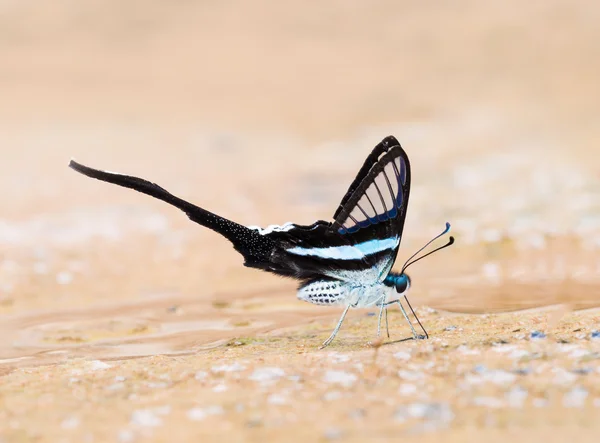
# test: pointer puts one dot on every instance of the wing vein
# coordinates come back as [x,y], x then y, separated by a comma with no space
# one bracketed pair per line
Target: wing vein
[380,196]
[389,186]
[362,210]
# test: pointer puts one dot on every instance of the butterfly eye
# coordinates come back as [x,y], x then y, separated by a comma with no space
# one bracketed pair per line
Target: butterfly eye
[402,284]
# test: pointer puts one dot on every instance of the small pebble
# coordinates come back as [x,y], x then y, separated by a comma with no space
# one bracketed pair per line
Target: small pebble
[407,389]
[492,272]
[40,268]
[402,355]
[410,375]
[518,354]
[340,377]
[70,423]
[254,422]
[277,399]
[480,369]
[339,358]
[536,335]
[488,402]
[163,410]
[432,412]
[464,350]
[235,367]
[500,377]
[97,365]
[450,328]
[516,397]
[64,278]
[332,395]
[563,377]
[201,375]
[145,418]
[115,386]
[357,414]
[265,375]
[221,387]
[582,371]
[540,402]
[125,436]
[575,398]
[197,414]
[332,434]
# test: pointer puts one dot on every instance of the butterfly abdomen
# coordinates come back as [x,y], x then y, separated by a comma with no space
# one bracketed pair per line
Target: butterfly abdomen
[324,292]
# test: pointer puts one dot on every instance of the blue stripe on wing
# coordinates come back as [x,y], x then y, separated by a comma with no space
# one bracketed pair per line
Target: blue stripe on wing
[371,221]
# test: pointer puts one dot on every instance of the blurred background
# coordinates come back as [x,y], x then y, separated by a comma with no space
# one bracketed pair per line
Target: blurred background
[263,112]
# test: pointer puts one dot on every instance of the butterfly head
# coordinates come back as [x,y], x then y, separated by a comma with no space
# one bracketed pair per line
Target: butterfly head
[401,282]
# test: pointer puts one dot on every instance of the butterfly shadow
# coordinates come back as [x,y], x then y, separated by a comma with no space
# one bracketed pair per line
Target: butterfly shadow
[402,340]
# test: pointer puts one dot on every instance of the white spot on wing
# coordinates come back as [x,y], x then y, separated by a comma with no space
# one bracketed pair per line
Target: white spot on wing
[273,228]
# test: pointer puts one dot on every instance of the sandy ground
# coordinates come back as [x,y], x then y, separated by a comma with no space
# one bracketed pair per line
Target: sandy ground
[122,321]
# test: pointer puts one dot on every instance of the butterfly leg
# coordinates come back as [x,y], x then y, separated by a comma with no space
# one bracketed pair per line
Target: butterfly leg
[415,335]
[387,328]
[337,328]
[381,315]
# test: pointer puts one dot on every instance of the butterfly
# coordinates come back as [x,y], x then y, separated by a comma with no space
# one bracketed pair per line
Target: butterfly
[345,262]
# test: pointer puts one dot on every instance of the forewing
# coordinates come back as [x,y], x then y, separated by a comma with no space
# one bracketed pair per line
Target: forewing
[376,210]
[381,148]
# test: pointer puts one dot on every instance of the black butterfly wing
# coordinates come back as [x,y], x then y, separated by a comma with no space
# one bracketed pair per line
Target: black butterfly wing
[374,211]
[351,248]
[381,148]
[378,203]
[362,243]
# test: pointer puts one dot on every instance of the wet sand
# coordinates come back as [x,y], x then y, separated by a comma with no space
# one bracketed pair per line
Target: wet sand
[123,321]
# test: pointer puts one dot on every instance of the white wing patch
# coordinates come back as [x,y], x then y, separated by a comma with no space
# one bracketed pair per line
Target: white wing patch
[273,228]
[365,277]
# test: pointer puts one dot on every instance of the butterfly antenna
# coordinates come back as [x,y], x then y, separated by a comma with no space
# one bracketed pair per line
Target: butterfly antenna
[427,244]
[450,243]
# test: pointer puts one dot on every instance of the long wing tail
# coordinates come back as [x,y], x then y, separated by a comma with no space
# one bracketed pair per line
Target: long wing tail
[255,248]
